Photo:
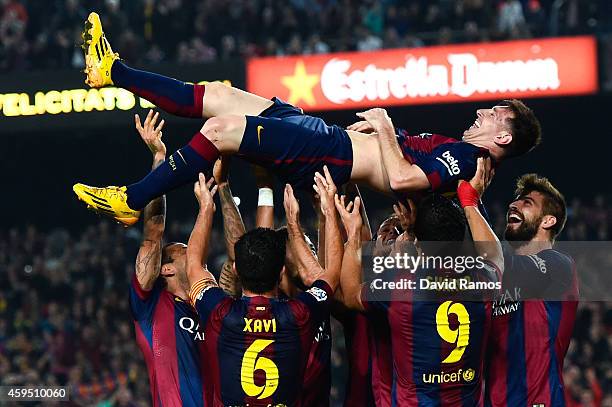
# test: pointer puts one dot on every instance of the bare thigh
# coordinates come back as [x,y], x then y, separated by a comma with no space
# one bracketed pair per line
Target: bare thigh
[368,168]
[220,100]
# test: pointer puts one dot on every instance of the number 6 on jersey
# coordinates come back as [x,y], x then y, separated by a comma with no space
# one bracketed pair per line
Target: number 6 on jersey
[251,362]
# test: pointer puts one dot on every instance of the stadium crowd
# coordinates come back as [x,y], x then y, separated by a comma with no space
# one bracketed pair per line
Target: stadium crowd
[42,34]
[65,319]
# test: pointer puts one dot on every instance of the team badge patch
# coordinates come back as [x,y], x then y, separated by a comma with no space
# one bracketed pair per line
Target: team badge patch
[319,294]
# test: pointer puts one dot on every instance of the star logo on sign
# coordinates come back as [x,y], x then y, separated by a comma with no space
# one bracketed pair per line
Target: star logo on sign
[300,85]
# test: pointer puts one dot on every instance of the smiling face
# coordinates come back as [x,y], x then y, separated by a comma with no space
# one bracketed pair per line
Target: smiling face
[524,217]
[491,124]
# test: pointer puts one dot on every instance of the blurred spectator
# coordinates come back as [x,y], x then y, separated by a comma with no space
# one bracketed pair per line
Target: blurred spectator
[315,45]
[511,18]
[367,41]
[45,35]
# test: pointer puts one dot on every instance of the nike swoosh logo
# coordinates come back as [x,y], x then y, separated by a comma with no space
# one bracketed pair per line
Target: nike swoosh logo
[259,129]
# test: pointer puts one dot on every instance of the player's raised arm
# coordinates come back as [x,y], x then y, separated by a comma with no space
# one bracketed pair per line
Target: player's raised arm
[308,267]
[233,226]
[264,218]
[402,175]
[197,247]
[148,260]
[350,275]
[469,193]
[326,188]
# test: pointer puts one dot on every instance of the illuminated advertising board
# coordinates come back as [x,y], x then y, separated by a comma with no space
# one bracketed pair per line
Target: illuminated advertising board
[441,74]
[60,100]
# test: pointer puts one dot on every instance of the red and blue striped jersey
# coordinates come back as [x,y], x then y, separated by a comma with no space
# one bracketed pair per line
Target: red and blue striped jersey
[444,160]
[168,334]
[357,341]
[317,378]
[438,346]
[529,338]
[382,359]
[258,347]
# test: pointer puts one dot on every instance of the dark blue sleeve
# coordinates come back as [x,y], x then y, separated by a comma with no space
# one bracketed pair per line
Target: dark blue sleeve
[318,299]
[546,275]
[449,163]
[207,300]
[143,302]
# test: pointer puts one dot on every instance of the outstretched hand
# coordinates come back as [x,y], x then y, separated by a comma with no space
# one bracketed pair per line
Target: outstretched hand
[406,215]
[151,134]
[221,169]
[292,207]
[349,214]
[326,189]
[204,192]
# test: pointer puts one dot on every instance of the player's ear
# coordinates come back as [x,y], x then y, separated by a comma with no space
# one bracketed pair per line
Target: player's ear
[503,138]
[548,221]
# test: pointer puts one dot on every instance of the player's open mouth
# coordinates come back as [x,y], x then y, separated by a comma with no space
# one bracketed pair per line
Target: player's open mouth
[476,125]
[514,218]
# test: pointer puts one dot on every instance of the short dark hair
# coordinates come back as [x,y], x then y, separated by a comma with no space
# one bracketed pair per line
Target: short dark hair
[554,201]
[439,219]
[166,256]
[260,257]
[524,127]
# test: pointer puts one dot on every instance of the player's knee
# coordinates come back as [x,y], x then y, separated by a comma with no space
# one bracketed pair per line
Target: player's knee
[222,130]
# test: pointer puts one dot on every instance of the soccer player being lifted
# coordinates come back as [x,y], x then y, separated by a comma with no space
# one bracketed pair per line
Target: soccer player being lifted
[281,138]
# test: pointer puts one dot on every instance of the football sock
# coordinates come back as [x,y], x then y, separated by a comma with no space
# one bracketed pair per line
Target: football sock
[179,169]
[173,96]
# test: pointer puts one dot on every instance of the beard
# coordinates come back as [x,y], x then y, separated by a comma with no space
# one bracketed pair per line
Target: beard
[523,234]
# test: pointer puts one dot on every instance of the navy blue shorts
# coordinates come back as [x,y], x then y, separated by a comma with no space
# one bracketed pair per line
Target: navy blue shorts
[294,146]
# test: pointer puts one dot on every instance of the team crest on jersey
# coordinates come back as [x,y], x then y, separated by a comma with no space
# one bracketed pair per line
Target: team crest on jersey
[318,293]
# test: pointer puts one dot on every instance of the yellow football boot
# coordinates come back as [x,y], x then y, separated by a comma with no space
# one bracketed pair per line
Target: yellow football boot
[109,201]
[99,56]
